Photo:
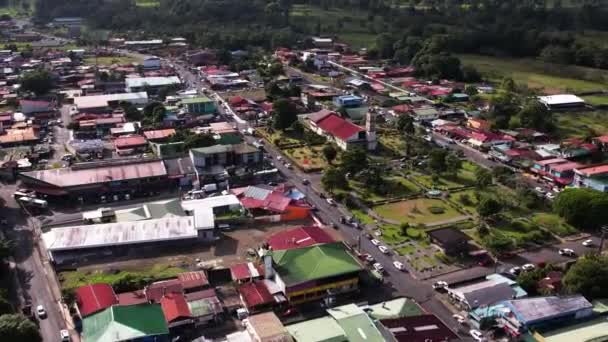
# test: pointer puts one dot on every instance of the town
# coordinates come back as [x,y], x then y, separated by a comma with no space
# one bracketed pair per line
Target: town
[153,190]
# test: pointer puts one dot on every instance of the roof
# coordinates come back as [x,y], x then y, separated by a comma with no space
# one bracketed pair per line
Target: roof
[317,116]
[18,135]
[357,325]
[199,99]
[399,307]
[120,233]
[300,265]
[255,294]
[129,141]
[205,306]
[155,291]
[299,237]
[565,166]
[96,101]
[324,329]
[136,82]
[552,100]
[338,127]
[421,328]
[121,323]
[603,139]
[244,271]
[532,310]
[66,177]
[174,307]
[593,170]
[222,127]
[489,295]
[448,235]
[194,279]
[133,297]
[268,327]
[159,133]
[551,161]
[593,330]
[94,297]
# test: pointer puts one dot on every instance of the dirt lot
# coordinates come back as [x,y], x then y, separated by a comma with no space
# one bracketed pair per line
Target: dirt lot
[229,250]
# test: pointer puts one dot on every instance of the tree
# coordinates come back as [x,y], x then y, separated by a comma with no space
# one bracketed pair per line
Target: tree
[5,306]
[131,112]
[39,82]
[16,327]
[330,153]
[471,90]
[483,178]
[198,140]
[535,115]
[529,280]
[354,160]
[437,160]
[405,124]
[284,114]
[7,248]
[582,207]
[488,206]
[470,74]
[334,178]
[588,276]
[453,164]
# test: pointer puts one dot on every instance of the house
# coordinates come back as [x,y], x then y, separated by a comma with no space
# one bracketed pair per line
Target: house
[542,167]
[594,177]
[493,289]
[35,107]
[522,315]
[130,144]
[450,240]
[199,105]
[150,84]
[343,132]
[272,204]
[563,173]
[19,136]
[595,329]
[257,296]
[93,298]
[298,238]
[210,162]
[316,272]
[102,103]
[159,135]
[422,328]
[246,272]
[322,42]
[562,102]
[176,310]
[266,327]
[314,96]
[601,142]
[151,63]
[478,124]
[125,323]
[484,140]
[425,113]
[348,101]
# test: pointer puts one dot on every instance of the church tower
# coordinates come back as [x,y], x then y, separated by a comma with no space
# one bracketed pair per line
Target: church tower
[370,130]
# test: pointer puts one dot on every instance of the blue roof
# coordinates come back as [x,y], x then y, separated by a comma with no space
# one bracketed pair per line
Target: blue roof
[538,309]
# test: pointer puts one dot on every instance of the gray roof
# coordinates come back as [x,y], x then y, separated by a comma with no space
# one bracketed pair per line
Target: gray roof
[212,149]
[489,295]
[256,192]
[162,209]
[151,81]
[530,310]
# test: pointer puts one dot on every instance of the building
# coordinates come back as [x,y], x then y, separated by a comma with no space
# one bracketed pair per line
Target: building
[562,102]
[150,84]
[151,63]
[450,240]
[522,315]
[493,289]
[265,327]
[542,167]
[141,322]
[589,330]
[298,238]
[563,173]
[102,103]
[211,162]
[315,272]
[322,42]
[258,296]
[19,136]
[422,328]
[130,144]
[199,105]
[93,298]
[35,108]
[594,177]
[104,179]
[272,204]
[348,101]
[478,124]
[337,129]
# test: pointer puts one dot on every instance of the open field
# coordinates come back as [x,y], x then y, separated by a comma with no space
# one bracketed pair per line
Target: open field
[417,211]
[596,100]
[580,124]
[307,157]
[550,78]
[111,60]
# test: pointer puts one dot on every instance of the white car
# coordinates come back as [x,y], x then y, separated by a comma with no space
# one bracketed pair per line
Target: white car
[515,270]
[588,243]
[65,335]
[398,265]
[539,190]
[383,249]
[459,319]
[40,311]
[330,201]
[478,336]
[378,267]
[378,233]
[375,242]
[550,196]
[566,252]
[439,285]
[528,267]
[556,190]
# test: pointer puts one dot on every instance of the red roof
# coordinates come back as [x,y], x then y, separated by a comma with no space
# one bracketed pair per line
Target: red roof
[562,167]
[245,271]
[191,280]
[338,127]
[603,139]
[594,170]
[298,238]
[156,290]
[130,141]
[159,133]
[255,294]
[237,100]
[95,297]
[131,298]
[174,307]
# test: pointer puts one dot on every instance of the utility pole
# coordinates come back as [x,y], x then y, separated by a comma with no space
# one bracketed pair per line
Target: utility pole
[604,229]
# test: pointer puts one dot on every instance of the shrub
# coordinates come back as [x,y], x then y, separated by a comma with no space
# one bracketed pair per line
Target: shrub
[465,199]
[437,210]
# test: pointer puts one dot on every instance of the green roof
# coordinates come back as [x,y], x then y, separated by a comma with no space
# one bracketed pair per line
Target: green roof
[324,329]
[396,308]
[120,323]
[162,209]
[201,307]
[300,265]
[357,113]
[356,323]
[193,100]
[595,330]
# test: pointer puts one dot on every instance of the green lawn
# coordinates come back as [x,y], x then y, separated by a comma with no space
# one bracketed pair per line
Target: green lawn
[357,40]
[362,217]
[397,187]
[465,199]
[416,211]
[596,100]
[391,234]
[74,279]
[581,124]
[147,3]
[307,157]
[550,78]
[444,183]
[553,223]
[406,250]
[111,60]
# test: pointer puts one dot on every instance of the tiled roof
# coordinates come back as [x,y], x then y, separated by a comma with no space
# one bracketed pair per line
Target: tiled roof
[155,291]
[255,293]
[338,127]
[94,297]
[174,306]
[193,279]
[159,133]
[298,238]
[125,142]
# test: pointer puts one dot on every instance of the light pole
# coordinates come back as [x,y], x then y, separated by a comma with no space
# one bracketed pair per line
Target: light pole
[604,229]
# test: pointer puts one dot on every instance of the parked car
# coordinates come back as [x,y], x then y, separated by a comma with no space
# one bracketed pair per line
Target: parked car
[368,236]
[459,319]
[40,312]
[378,267]
[369,258]
[440,285]
[383,249]
[540,190]
[65,335]
[566,252]
[515,271]
[331,201]
[375,242]
[478,336]
[528,267]
[305,181]
[398,265]
[588,243]
[550,196]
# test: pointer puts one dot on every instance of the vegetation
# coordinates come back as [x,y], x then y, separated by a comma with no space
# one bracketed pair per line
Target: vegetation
[586,209]
[587,276]
[16,327]
[39,82]
[417,211]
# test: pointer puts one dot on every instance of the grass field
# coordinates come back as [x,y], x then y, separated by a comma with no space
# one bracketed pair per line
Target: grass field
[416,211]
[596,100]
[550,78]
[307,157]
[553,223]
[578,124]
[111,60]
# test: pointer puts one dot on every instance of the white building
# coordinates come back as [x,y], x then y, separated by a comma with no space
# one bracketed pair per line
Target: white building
[562,101]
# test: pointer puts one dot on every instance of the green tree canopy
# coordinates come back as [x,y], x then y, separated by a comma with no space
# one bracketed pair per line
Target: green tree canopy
[437,160]
[354,160]
[330,153]
[284,114]
[582,207]
[483,178]
[488,206]
[39,82]
[588,276]
[333,178]
[15,327]
[405,124]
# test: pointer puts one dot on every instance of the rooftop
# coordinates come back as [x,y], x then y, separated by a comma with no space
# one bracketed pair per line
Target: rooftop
[122,323]
[129,141]
[448,235]
[324,329]
[552,100]
[136,82]
[199,99]
[592,330]
[255,294]
[421,328]
[399,307]
[531,310]
[94,297]
[593,170]
[159,133]
[356,323]
[174,306]
[338,126]
[97,101]
[268,327]
[299,237]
